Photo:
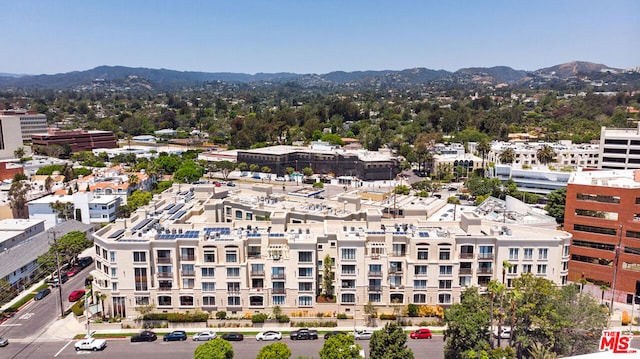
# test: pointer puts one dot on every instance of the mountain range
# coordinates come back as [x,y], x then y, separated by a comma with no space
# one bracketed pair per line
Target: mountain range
[163,79]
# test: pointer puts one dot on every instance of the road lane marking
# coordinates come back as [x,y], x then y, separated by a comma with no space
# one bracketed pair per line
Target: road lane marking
[26,316]
[63,348]
[10,325]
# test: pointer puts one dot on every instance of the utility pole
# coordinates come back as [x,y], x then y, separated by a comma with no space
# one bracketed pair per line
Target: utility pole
[615,269]
[55,247]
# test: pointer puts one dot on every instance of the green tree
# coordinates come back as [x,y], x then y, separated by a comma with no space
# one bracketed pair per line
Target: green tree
[48,183]
[63,209]
[274,351]
[138,199]
[371,313]
[545,154]
[189,171]
[327,276]
[225,168]
[508,155]
[467,324]
[19,152]
[307,171]
[483,148]
[390,343]
[71,245]
[18,199]
[402,189]
[555,204]
[254,167]
[340,347]
[214,349]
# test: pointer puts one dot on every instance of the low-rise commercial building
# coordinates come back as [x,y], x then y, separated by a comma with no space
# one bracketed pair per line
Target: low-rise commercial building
[78,140]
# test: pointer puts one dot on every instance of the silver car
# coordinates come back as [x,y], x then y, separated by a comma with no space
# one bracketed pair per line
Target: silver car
[205,336]
[269,335]
[363,335]
[4,342]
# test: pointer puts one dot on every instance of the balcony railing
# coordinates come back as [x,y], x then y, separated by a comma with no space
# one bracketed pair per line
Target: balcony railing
[256,289]
[465,271]
[163,259]
[485,270]
[375,288]
[466,255]
[399,254]
[164,288]
[375,273]
[349,288]
[305,290]
[254,255]
[277,276]
[396,287]
[348,273]
[257,273]
[165,275]
[420,287]
[188,258]
[395,270]
[485,255]
[375,256]
[188,273]
[278,290]
[421,274]
[233,290]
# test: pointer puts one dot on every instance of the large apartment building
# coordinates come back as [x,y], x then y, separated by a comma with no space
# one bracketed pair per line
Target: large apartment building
[30,122]
[205,248]
[602,212]
[620,148]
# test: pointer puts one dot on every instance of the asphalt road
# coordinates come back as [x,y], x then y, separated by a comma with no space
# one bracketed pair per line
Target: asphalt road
[36,317]
[247,349]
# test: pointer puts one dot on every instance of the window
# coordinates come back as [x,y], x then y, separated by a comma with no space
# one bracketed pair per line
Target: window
[445,254]
[208,286]
[114,271]
[233,286]
[104,253]
[305,301]
[305,287]
[209,256]
[542,269]
[231,256]
[305,257]
[485,252]
[446,270]
[139,257]
[348,269]
[420,298]
[375,269]
[305,272]
[208,272]
[444,298]
[594,229]
[114,286]
[187,254]
[141,278]
[526,268]
[420,270]
[254,251]
[528,253]
[444,284]
[513,254]
[375,297]
[423,253]
[106,269]
[233,272]
[420,284]
[188,283]
[395,281]
[257,269]
[542,253]
[598,198]
[142,301]
[348,253]
[565,266]
[278,299]
[513,269]
[399,249]
[164,301]
[348,298]
[233,301]
[186,300]
[97,250]
[187,269]
[465,281]
[209,301]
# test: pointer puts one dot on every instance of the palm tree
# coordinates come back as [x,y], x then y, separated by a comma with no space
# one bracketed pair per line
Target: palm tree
[483,147]
[545,154]
[506,265]
[134,180]
[603,288]
[508,156]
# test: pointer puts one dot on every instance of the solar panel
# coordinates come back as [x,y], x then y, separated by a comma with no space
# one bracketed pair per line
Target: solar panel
[178,215]
[423,234]
[176,208]
[141,224]
[168,207]
[117,233]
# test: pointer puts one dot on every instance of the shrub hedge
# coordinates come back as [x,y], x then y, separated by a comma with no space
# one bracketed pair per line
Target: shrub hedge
[178,317]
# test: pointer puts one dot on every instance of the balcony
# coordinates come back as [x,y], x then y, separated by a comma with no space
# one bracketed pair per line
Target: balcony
[485,270]
[188,258]
[466,255]
[421,274]
[256,289]
[395,270]
[375,273]
[348,273]
[257,273]
[399,254]
[164,288]
[420,288]
[396,287]
[485,256]
[254,255]
[163,259]
[465,271]
[278,276]
[375,256]
[278,291]
[348,288]
[165,275]
[305,290]
[188,273]
[233,290]
[375,288]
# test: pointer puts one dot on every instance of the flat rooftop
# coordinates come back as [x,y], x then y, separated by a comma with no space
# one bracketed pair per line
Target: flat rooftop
[612,178]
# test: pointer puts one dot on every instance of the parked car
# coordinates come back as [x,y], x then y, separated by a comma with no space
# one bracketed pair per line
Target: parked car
[90,344]
[76,295]
[53,280]
[363,335]
[422,333]
[176,335]
[144,336]
[205,336]
[4,342]
[231,184]
[269,335]
[235,337]
[304,334]
[41,294]
[84,262]
[335,332]
[73,271]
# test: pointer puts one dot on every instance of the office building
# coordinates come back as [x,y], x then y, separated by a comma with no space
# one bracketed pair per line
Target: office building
[78,140]
[620,148]
[30,122]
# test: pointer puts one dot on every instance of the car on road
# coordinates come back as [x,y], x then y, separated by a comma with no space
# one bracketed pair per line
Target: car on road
[84,262]
[269,335]
[363,334]
[233,336]
[90,344]
[73,271]
[4,342]
[204,336]
[41,294]
[422,333]
[53,281]
[304,334]
[76,295]
[144,336]
[176,335]
[231,184]
[335,332]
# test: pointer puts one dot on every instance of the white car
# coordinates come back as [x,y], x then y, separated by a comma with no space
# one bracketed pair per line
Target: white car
[363,335]
[90,344]
[205,336]
[269,335]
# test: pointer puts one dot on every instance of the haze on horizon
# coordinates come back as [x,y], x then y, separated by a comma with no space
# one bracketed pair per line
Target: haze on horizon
[316,36]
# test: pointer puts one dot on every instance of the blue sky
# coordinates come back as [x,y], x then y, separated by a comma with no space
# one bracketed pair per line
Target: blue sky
[319,36]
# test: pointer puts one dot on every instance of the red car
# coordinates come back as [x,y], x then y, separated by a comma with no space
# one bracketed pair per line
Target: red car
[76,295]
[422,333]
[73,271]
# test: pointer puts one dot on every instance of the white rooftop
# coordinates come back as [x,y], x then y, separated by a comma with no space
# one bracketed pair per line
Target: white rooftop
[613,178]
